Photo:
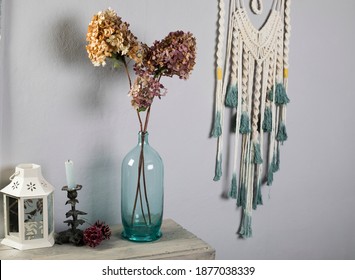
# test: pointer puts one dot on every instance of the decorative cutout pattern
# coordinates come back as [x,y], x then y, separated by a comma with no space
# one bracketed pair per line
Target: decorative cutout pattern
[15,185]
[31,186]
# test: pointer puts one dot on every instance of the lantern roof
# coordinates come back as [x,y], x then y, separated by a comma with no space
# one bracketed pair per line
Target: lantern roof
[27,181]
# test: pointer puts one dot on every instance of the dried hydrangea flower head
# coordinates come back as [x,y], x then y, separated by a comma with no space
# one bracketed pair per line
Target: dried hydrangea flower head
[144,89]
[174,55]
[109,36]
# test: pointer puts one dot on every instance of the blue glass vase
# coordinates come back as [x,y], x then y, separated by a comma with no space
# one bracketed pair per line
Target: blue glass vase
[142,192]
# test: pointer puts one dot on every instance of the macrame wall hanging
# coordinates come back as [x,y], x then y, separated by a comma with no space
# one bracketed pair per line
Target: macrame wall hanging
[252,74]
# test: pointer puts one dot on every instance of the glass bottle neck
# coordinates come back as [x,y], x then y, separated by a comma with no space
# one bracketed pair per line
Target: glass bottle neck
[143,138]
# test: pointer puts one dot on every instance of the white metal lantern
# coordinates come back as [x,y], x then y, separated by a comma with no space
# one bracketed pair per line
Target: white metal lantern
[28,209]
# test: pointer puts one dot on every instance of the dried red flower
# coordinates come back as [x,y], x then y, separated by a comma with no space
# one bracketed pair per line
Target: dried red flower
[105,229]
[93,236]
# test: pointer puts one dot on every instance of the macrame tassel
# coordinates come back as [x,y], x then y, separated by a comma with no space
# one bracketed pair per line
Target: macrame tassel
[232,96]
[246,230]
[276,160]
[282,133]
[257,154]
[281,97]
[244,123]
[218,172]
[234,187]
[257,198]
[217,127]
[270,95]
[267,123]
[274,166]
[242,196]
[270,175]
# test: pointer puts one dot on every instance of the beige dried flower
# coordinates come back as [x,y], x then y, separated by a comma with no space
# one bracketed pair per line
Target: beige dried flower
[109,36]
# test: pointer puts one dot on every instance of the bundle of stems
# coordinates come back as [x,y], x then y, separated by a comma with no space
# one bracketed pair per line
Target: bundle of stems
[141,169]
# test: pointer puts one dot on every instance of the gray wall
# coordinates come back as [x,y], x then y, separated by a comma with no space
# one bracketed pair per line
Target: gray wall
[55,105]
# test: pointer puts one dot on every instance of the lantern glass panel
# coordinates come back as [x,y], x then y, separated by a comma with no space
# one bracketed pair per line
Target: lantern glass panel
[12,226]
[50,214]
[33,218]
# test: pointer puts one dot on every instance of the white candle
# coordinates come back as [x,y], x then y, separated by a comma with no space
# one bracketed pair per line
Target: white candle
[69,170]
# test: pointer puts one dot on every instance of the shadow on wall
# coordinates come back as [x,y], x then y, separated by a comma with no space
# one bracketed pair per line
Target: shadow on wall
[104,197]
[66,48]
[67,41]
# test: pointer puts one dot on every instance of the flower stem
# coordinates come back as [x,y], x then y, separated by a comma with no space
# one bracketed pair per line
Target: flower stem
[141,172]
[127,71]
[147,120]
[140,121]
[145,194]
[138,192]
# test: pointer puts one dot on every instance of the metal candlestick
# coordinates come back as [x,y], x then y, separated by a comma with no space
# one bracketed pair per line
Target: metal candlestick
[72,235]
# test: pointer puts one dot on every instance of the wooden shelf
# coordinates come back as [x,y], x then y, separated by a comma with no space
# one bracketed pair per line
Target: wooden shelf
[176,243]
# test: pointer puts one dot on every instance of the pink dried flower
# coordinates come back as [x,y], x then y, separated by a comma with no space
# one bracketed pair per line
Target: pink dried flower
[174,55]
[144,89]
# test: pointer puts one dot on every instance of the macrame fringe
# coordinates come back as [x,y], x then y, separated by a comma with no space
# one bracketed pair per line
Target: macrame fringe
[270,175]
[257,154]
[246,229]
[282,133]
[281,97]
[218,173]
[232,96]
[244,123]
[217,127]
[234,187]
[267,123]
[274,166]
[242,199]
[276,162]
[257,198]
[270,95]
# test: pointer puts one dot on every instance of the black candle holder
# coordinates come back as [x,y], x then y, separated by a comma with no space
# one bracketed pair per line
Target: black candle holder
[72,235]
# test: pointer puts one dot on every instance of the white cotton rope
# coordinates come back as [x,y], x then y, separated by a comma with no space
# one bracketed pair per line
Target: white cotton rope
[237,51]
[219,53]
[257,6]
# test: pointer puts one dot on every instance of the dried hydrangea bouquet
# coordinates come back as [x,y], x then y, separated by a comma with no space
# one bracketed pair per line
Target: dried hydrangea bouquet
[109,38]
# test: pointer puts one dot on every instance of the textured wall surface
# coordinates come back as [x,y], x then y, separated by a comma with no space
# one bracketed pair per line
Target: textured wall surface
[55,105]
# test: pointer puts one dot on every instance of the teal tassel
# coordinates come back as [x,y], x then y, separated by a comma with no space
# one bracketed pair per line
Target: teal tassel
[257,154]
[270,95]
[276,160]
[257,198]
[281,97]
[242,201]
[244,123]
[217,128]
[281,134]
[270,175]
[218,173]
[246,230]
[233,190]
[267,123]
[232,96]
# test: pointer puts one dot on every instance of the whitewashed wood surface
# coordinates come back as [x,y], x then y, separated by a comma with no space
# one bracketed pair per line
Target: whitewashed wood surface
[176,243]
